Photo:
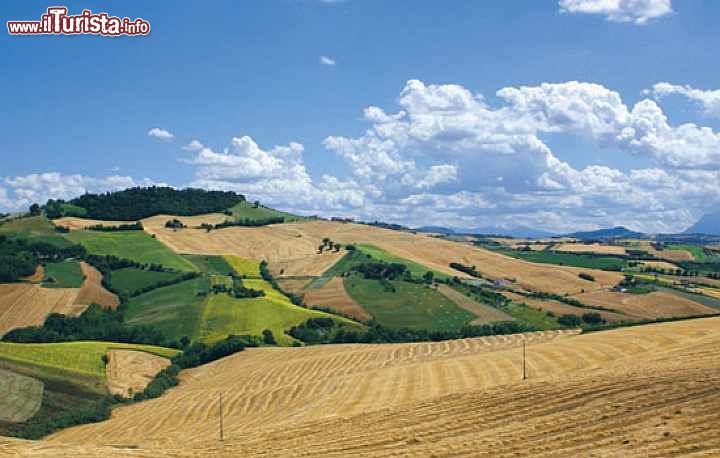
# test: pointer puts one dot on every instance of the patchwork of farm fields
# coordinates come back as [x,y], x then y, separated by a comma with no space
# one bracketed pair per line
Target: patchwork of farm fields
[286,242]
[645,391]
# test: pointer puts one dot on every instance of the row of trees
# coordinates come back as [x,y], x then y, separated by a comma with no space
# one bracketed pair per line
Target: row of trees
[325,330]
[138,203]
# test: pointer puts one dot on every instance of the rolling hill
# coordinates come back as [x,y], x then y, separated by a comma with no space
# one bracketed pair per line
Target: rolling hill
[708,224]
[644,391]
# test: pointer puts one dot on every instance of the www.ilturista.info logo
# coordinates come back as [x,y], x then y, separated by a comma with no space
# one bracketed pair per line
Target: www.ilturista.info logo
[57,22]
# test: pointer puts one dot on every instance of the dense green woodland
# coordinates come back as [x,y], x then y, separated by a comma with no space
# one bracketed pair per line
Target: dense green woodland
[138,203]
[19,258]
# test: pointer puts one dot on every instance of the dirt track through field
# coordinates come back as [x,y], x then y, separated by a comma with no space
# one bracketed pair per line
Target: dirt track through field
[644,391]
[129,372]
[485,313]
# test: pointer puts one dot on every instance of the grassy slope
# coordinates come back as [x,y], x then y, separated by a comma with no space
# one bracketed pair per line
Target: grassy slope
[210,264]
[568,259]
[417,270]
[84,358]
[697,252]
[35,228]
[131,279]
[135,245]
[244,267]
[226,315]
[174,310]
[528,315]
[67,274]
[412,305]
[246,210]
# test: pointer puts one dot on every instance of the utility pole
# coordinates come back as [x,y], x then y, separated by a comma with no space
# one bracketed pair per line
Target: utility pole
[221,419]
[524,371]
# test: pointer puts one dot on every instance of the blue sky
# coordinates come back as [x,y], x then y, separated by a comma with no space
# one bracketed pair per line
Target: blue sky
[490,130]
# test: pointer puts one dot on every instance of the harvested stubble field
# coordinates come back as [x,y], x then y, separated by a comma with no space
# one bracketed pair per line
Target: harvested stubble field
[650,306]
[672,255]
[24,304]
[561,308]
[129,371]
[595,248]
[635,392]
[314,265]
[284,242]
[332,295]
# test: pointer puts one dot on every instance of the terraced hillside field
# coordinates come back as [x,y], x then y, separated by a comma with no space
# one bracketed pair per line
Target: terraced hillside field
[284,242]
[635,392]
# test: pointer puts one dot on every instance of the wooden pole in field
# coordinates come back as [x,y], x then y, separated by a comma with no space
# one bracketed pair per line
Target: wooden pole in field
[524,371]
[221,419]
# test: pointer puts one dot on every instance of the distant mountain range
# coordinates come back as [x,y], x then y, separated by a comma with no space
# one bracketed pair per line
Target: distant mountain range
[517,232]
[612,233]
[708,224]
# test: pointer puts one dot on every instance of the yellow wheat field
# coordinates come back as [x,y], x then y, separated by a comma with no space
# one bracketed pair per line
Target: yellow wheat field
[635,392]
[293,241]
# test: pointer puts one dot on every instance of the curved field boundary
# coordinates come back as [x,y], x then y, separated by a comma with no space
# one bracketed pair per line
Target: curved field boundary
[20,396]
[485,314]
[332,295]
[242,266]
[584,393]
[92,290]
[129,371]
[80,357]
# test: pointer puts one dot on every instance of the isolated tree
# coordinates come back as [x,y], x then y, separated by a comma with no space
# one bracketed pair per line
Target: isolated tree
[268,337]
[34,209]
[428,277]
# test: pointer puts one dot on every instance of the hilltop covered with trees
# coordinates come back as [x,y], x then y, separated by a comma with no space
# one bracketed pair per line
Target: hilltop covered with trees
[138,203]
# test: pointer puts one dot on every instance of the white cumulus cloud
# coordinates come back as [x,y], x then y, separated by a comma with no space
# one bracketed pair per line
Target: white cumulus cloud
[161,134]
[634,11]
[325,60]
[709,100]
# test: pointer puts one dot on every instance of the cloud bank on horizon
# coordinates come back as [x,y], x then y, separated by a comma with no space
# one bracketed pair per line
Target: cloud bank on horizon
[447,156]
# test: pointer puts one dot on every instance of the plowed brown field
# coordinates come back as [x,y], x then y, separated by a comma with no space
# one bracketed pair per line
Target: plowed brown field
[285,242]
[333,296]
[129,371]
[635,392]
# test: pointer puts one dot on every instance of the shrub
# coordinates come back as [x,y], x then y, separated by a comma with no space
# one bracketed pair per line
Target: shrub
[570,320]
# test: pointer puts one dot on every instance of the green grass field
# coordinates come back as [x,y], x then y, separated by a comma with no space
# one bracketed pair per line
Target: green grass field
[135,245]
[66,274]
[224,315]
[35,229]
[246,210]
[81,357]
[568,259]
[410,306]
[417,270]
[244,267]
[130,279]
[697,251]
[532,317]
[174,310]
[216,265]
